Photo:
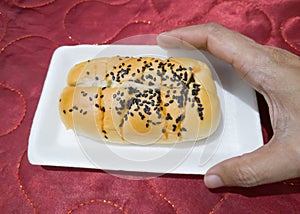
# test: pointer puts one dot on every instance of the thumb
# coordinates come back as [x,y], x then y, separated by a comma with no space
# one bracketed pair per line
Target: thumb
[271,163]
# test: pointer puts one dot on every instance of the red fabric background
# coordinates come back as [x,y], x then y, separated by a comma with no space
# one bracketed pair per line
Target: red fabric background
[29,33]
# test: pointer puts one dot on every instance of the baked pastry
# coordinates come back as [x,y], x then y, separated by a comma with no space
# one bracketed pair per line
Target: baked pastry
[140,100]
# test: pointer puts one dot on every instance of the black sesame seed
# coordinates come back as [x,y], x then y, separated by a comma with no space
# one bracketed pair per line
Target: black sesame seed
[96,78]
[84,113]
[192,79]
[195,92]
[147,110]
[64,111]
[101,96]
[174,128]
[103,109]
[185,76]
[147,125]
[90,98]
[59,100]
[106,137]
[88,73]
[197,99]
[180,118]
[70,110]
[142,116]
[200,109]
[138,81]
[96,105]
[104,131]
[169,117]
[158,114]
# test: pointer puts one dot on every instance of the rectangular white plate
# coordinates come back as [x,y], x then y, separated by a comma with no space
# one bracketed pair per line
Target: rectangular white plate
[51,144]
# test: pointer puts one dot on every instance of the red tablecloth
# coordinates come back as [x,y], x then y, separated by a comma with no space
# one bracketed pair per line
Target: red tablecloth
[29,33]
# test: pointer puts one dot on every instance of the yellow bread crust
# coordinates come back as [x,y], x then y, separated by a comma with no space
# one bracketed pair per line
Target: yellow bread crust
[141,100]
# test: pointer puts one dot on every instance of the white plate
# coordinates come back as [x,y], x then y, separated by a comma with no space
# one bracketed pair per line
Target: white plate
[51,144]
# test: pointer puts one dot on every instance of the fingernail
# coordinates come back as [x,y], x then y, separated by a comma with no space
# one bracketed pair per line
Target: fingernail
[166,41]
[213,181]
[164,33]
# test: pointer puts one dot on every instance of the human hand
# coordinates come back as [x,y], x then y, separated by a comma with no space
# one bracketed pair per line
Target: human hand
[273,72]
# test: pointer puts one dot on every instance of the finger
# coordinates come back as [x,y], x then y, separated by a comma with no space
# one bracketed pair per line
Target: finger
[221,42]
[271,163]
[243,53]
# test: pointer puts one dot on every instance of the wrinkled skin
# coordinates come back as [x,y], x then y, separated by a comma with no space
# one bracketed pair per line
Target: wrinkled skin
[273,72]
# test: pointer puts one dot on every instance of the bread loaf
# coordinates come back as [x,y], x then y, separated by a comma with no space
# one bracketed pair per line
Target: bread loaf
[140,100]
